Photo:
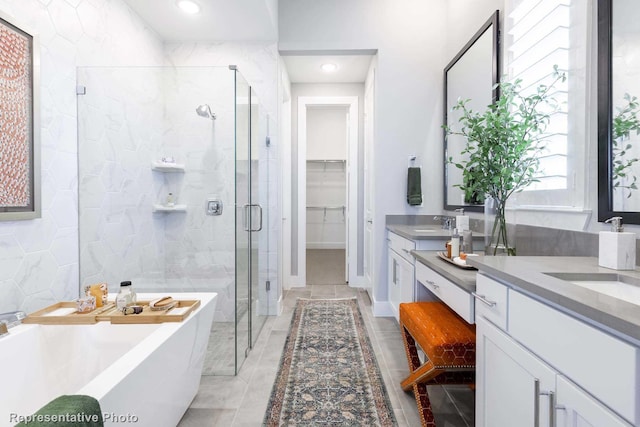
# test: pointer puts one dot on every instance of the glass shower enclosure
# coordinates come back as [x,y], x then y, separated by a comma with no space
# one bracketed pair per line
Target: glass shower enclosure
[170,195]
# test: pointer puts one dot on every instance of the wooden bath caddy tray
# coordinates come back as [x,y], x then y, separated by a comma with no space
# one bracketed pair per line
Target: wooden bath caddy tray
[63,313]
[178,313]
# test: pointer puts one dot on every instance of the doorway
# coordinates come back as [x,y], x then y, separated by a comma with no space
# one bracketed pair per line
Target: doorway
[332,224]
[326,194]
[307,105]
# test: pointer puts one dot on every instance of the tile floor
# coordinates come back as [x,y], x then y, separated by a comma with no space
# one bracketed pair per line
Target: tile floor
[242,400]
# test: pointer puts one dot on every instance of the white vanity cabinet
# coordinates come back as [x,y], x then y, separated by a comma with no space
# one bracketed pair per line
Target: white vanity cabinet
[511,383]
[543,367]
[400,267]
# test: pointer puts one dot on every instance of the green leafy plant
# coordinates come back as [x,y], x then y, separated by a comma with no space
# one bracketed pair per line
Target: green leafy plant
[504,143]
[624,123]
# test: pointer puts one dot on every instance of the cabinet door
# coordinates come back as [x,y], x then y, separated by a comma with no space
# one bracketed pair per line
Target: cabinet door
[400,281]
[513,387]
[407,280]
[575,408]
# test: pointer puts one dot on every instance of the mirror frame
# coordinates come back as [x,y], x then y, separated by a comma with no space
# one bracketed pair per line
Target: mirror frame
[492,23]
[605,117]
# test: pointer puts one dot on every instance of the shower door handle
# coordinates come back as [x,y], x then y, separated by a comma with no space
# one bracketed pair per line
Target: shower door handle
[260,223]
[245,223]
[245,215]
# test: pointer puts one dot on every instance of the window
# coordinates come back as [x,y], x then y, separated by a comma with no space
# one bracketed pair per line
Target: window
[539,35]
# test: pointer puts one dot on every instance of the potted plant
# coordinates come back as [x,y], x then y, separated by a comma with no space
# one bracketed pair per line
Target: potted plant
[504,143]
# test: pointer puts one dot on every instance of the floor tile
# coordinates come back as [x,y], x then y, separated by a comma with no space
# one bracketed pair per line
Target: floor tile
[220,392]
[199,417]
[241,401]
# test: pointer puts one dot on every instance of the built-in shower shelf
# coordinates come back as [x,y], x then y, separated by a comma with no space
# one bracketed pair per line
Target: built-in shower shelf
[167,167]
[174,208]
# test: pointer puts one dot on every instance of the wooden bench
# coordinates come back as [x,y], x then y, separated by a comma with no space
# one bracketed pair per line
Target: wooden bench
[449,344]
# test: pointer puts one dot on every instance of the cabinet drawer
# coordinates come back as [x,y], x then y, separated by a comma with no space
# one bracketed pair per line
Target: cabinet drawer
[458,300]
[604,365]
[491,301]
[401,246]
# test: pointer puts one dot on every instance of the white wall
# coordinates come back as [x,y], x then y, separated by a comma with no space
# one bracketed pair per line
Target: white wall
[326,133]
[39,258]
[409,37]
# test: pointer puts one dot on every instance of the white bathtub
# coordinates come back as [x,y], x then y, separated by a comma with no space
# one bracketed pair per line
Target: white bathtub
[142,375]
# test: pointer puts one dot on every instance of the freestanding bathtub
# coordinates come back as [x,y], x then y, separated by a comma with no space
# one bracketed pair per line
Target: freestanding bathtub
[142,375]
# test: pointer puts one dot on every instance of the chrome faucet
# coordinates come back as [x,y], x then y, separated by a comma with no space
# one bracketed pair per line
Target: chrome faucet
[447,221]
[10,319]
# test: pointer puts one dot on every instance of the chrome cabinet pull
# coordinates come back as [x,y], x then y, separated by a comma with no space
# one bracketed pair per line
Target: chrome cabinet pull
[483,299]
[395,272]
[405,250]
[552,406]
[536,402]
[432,283]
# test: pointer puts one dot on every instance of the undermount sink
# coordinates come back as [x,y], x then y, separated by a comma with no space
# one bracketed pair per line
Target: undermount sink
[613,284]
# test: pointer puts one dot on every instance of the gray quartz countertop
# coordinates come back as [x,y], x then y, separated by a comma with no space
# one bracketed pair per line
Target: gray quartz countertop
[528,274]
[424,232]
[464,278]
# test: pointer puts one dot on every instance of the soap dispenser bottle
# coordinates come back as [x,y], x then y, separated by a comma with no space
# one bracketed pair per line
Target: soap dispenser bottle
[616,248]
[462,221]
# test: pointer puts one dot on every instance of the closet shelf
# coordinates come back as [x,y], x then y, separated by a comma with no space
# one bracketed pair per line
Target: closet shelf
[340,162]
[326,207]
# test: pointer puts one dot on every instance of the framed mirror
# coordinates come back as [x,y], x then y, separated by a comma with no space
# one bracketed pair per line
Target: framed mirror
[472,74]
[619,110]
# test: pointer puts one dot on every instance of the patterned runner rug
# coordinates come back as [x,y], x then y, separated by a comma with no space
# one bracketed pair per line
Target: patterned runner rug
[328,372]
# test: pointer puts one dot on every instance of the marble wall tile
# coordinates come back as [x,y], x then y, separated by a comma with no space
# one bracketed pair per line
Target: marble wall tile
[72,33]
[122,238]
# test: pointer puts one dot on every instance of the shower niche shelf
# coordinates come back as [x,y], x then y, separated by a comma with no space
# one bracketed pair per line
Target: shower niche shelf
[167,167]
[175,208]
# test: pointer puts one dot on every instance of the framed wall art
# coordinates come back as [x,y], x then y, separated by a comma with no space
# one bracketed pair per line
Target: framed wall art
[19,122]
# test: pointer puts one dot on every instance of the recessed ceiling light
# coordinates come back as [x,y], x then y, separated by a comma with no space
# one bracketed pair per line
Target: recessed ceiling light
[188,6]
[329,67]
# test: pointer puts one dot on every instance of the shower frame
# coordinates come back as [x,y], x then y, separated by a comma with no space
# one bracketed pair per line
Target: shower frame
[123,115]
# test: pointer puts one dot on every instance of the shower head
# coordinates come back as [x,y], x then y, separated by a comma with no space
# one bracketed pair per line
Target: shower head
[205,111]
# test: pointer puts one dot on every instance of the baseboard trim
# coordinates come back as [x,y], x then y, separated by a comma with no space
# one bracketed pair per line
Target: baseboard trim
[381,308]
[358,282]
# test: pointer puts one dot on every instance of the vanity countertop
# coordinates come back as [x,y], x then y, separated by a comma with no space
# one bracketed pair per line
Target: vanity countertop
[463,278]
[425,232]
[528,274]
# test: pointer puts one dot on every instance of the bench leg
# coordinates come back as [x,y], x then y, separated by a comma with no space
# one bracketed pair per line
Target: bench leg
[423,374]
[419,373]
[424,405]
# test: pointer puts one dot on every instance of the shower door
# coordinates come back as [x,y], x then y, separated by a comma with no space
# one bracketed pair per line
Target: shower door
[251,302]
